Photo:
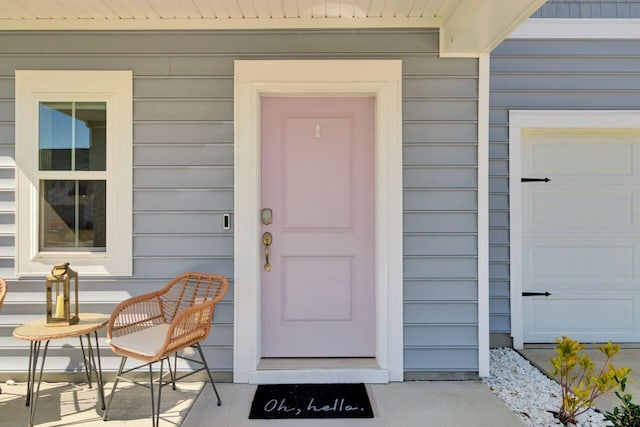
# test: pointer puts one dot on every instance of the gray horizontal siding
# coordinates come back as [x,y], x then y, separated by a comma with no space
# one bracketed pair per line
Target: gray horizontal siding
[183,173]
[220,65]
[611,9]
[230,43]
[440,220]
[547,74]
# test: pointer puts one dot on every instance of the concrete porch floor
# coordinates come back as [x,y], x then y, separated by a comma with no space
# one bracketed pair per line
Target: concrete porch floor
[428,403]
[539,356]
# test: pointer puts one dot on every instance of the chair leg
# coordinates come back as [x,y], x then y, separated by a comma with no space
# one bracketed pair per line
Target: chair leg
[115,384]
[175,367]
[159,392]
[153,405]
[173,374]
[204,361]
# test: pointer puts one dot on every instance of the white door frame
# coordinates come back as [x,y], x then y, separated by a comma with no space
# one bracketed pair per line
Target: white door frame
[520,120]
[381,79]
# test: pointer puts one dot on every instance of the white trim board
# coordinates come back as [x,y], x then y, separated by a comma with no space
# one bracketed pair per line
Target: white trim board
[540,28]
[483,215]
[520,120]
[151,24]
[379,78]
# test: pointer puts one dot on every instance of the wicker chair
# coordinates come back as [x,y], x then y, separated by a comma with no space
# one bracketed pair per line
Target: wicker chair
[152,327]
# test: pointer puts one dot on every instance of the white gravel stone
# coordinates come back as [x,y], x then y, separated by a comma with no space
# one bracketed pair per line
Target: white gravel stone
[528,392]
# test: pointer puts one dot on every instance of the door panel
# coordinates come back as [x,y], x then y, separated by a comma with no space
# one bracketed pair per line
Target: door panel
[310,168]
[581,235]
[325,278]
[318,299]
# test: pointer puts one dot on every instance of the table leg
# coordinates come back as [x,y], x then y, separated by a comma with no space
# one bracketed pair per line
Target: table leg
[91,366]
[33,346]
[100,380]
[32,397]
[87,367]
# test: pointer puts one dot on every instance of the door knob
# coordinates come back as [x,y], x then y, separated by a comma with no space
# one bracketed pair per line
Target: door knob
[267,239]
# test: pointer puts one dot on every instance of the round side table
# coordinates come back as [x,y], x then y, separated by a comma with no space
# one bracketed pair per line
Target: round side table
[38,331]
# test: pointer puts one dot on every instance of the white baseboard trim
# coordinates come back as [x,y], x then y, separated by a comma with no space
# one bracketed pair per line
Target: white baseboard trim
[319,376]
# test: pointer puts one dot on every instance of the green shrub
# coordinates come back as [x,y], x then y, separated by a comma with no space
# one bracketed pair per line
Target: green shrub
[628,413]
[580,385]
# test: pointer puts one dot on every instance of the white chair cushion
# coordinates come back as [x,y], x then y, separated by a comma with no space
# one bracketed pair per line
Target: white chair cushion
[146,342]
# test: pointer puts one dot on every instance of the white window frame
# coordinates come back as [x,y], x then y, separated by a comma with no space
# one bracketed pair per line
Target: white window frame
[115,89]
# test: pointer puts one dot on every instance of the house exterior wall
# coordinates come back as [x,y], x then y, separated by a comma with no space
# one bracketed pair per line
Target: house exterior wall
[546,75]
[183,176]
[590,9]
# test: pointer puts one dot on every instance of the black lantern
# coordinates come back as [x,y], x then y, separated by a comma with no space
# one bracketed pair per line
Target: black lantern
[62,296]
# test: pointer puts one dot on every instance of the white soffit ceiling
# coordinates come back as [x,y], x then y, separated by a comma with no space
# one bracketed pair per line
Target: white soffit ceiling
[468,27]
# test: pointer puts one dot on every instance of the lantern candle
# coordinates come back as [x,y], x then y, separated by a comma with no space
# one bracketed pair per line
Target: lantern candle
[60,306]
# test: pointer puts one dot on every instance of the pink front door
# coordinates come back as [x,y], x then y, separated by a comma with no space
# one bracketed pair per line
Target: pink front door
[318,299]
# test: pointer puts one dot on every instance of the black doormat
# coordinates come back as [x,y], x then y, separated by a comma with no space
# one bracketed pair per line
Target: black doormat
[311,401]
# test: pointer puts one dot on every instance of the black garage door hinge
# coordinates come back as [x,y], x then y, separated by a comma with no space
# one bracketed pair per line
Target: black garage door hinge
[535,179]
[535,294]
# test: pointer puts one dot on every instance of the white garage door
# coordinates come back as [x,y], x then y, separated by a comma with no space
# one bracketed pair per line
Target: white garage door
[581,235]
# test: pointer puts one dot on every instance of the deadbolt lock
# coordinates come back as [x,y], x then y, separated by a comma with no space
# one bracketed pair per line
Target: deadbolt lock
[267,216]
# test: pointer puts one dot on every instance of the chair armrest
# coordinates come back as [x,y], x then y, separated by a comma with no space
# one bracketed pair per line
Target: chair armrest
[189,327]
[135,314]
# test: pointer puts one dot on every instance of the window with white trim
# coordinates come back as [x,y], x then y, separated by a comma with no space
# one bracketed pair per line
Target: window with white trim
[74,171]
